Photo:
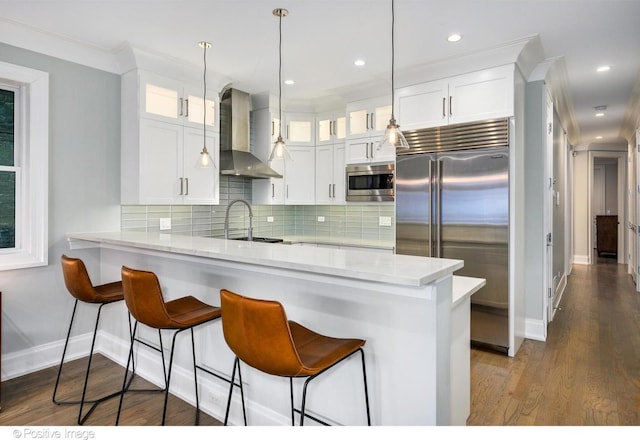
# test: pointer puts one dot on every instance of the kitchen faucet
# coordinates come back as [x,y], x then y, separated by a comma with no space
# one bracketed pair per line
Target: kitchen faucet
[226,219]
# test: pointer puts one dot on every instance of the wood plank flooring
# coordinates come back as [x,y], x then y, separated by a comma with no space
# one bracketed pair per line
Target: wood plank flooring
[26,400]
[586,373]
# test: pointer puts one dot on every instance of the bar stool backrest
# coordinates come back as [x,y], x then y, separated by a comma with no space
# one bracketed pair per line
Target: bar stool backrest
[77,280]
[143,296]
[258,332]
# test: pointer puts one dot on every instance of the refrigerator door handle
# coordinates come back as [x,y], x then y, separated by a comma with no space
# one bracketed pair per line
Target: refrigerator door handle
[438,219]
[430,195]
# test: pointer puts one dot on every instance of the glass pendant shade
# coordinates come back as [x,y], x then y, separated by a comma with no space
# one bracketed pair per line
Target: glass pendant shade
[205,160]
[393,137]
[279,150]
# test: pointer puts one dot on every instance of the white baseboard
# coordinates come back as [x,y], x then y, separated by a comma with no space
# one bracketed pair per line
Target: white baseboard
[43,356]
[534,329]
[581,259]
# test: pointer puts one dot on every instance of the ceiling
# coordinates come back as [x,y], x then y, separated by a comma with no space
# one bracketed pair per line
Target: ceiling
[322,38]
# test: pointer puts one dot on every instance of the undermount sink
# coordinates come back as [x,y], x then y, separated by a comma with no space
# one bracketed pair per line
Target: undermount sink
[260,239]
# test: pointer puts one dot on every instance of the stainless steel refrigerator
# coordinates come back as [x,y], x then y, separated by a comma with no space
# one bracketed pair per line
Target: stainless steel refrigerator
[452,201]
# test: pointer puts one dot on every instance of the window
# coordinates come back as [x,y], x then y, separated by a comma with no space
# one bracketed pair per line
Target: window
[24,133]
[8,168]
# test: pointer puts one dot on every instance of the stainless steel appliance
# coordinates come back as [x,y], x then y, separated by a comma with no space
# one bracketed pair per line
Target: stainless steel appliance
[235,155]
[370,183]
[452,201]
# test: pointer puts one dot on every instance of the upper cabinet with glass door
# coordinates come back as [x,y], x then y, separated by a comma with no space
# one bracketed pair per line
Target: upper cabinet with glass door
[331,127]
[368,117]
[173,101]
[299,129]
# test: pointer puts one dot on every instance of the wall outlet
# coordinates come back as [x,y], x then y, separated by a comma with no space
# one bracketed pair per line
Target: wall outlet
[321,219]
[165,224]
[270,219]
[385,221]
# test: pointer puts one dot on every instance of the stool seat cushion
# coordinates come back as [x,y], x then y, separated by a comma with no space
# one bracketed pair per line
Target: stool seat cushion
[187,311]
[109,292]
[318,352]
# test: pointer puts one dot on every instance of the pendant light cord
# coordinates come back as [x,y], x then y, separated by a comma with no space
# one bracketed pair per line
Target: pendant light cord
[280,75]
[393,57]
[204,98]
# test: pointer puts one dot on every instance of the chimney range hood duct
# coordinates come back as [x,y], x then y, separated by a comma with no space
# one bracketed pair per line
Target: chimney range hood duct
[235,156]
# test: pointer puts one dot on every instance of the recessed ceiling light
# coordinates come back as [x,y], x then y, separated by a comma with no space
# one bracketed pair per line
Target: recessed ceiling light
[289,82]
[603,68]
[599,115]
[359,63]
[454,38]
[598,137]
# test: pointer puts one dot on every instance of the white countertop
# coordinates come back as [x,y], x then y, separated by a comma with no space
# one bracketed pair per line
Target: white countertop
[465,286]
[404,270]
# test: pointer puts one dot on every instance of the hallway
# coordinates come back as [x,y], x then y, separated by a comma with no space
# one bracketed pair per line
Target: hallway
[586,373]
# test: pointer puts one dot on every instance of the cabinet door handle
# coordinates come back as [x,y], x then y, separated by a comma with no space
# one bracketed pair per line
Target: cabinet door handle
[181,106]
[186,104]
[273,128]
[450,105]
[331,128]
[273,190]
[287,131]
[366,150]
[334,190]
[329,190]
[373,127]
[181,186]
[287,191]
[186,184]
[444,105]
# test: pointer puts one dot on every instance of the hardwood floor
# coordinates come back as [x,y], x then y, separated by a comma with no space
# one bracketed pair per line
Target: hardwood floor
[26,400]
[586,373]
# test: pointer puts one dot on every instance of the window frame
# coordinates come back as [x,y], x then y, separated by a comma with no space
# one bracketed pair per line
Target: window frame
[32,151]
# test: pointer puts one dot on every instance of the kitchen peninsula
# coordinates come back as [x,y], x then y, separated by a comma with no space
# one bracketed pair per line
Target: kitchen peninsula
[405,307]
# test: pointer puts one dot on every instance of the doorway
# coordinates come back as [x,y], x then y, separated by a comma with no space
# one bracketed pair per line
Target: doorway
[607,207]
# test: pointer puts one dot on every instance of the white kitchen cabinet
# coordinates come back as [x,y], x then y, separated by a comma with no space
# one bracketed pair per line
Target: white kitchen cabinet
[331,127]
[330,174]
[297,185]
[299,129]
[365,150]
[474,96]
[299,176]
[368,118]
[159,151]
[167,171]
[367,121]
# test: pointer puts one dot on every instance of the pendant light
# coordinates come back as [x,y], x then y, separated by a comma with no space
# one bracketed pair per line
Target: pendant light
[279,150]
[205,160]
[393,137]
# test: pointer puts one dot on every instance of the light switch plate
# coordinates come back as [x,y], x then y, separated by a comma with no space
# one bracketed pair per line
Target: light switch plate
[165,224]
[269,219]
[385,221]
[321,219]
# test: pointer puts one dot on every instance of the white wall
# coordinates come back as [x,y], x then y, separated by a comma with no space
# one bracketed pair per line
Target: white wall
[84,195]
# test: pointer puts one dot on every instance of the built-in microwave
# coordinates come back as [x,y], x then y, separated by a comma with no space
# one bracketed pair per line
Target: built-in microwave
[370,183]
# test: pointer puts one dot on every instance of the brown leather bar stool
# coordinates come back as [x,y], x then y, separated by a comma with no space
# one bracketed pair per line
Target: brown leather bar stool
[144,299]
[79,285]
[259,334]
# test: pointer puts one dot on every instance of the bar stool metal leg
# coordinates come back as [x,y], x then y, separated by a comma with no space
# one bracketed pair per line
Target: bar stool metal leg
[94,402]
[236,365]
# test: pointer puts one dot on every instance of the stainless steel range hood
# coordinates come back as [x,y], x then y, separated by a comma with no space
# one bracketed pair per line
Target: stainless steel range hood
[235,152]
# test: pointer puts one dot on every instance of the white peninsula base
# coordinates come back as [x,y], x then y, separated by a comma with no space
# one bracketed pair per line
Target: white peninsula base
[417,348]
